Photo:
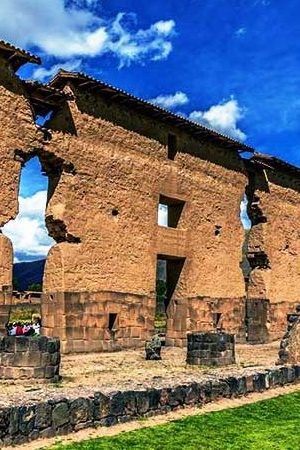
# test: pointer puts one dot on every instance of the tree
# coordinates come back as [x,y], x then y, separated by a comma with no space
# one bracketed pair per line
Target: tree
[36,287]
[16,284]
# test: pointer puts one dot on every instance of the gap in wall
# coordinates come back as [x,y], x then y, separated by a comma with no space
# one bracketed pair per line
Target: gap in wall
[28,231]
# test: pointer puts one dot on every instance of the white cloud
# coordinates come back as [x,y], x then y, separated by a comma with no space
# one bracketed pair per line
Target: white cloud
[244,214]
[73,29]
[165,27]
[222,117]
[240,32]
[28,232]
[41,73]
[162,215]
[170,101]
[151,43]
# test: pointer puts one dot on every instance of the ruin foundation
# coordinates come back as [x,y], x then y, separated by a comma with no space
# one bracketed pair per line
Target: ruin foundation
[210,349]
[36,357]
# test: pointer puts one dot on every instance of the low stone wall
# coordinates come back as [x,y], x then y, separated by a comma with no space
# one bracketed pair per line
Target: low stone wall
[210,349]
[23,357]
[63,415]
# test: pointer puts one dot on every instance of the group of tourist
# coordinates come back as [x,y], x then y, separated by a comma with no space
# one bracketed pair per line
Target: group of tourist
[24,329]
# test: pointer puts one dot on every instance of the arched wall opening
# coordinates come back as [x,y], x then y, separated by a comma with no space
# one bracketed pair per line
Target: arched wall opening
[28,232]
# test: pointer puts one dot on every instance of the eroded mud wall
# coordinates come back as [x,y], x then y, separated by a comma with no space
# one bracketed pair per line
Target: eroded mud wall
[109,204]
[17,132]
[274,247]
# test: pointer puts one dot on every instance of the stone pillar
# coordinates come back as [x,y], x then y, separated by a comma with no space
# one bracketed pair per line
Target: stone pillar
[36,357]
[211,349]
[6,263]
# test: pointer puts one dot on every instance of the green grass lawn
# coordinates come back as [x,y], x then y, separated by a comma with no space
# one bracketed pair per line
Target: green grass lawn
[267,425]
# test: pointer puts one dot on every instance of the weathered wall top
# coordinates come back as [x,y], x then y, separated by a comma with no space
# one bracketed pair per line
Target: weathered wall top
[16,56]
[117,95]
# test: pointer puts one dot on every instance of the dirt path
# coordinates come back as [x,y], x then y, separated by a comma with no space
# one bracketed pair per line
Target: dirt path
[158,420]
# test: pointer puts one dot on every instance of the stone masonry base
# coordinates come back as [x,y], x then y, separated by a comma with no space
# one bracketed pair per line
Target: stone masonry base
[63,415]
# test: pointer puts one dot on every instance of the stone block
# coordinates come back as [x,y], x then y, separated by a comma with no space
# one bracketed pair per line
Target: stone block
[9,344]
[22,343]
[26,419]
[22,357]
[80,410]
[101,406]
[54,358]
[52,345]
[249,383]
[60,415]
[7,359]
[117,404]
[43,343]
[42,416]
[45,358]
[34,344]
[49,371]
[131,402]
[210,349]
[192,395]
[154,398]
[259,382]
[14,421]
[237,386]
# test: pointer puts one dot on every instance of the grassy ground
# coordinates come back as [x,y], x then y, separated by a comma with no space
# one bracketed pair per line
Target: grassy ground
[266,425]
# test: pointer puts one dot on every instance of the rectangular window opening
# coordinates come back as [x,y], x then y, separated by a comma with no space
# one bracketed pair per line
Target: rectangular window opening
[172,146]
[169,211]
[112,321]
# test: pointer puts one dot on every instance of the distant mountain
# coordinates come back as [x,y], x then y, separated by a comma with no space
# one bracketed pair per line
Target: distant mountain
[27,273]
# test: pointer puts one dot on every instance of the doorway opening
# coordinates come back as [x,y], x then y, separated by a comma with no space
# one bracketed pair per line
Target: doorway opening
[168,272]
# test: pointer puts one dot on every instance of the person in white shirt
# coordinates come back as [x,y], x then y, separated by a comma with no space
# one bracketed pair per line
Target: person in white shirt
[13,330]
[37,327]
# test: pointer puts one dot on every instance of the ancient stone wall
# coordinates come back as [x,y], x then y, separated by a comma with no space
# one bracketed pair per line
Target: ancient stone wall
[18,132]
[108,165]
[274,247]
[26,358]
[110,204]
[56,415]
[210,349]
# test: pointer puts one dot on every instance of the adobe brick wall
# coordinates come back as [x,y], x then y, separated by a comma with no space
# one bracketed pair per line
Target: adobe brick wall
[274,245]
[120,161]
[102,157]
[18,132]
[59,415]
[36,357]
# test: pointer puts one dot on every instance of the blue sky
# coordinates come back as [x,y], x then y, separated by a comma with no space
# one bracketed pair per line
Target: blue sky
[232,65]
